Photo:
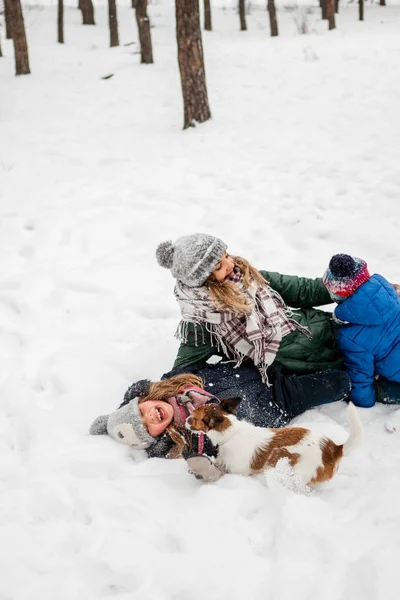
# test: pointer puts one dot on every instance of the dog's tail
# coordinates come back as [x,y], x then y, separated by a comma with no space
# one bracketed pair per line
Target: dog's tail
[356,431]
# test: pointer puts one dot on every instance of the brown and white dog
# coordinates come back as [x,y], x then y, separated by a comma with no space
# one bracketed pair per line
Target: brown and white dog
[246,449]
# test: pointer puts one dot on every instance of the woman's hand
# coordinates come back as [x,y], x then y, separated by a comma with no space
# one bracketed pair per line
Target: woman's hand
[397,288]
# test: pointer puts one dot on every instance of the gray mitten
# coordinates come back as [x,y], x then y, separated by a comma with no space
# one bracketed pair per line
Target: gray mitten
[202,468]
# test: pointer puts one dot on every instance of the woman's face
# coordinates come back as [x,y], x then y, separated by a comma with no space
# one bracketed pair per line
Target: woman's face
[156,415]
[224,268]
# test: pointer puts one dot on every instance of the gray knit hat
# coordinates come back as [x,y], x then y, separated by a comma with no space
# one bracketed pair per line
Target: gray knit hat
[192,258]
[125,424]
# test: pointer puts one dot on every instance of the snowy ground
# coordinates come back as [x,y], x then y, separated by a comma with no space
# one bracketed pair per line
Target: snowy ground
[300,161]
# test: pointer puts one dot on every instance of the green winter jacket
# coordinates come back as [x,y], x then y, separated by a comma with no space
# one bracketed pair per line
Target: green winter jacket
[297,353]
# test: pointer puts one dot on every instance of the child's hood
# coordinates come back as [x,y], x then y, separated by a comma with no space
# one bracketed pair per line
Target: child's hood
[372,304]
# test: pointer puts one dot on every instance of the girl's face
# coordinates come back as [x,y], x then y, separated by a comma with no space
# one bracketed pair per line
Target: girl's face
[224,268]
[156,415]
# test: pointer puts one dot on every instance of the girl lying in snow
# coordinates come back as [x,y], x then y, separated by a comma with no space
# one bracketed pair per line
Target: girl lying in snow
[152,415]
[369,310]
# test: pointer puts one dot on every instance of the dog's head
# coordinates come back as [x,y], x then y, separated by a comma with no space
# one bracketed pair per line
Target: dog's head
[213,417]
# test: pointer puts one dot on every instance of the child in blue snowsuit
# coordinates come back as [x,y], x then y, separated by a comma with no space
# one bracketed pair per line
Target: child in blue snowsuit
[369,308]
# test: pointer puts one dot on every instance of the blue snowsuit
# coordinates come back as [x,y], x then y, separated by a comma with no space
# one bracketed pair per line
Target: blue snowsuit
[370,339]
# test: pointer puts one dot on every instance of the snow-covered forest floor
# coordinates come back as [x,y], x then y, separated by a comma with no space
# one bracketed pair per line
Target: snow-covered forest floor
[300,161]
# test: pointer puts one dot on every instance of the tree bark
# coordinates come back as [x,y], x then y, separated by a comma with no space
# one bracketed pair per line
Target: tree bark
[134,3]
[7,16]
[242,15]
[330,6]
[1,53]
[143,23]
[382,2]
[324,7]
[60,21]
[87,9]
[191,63]
[337,6]
[14,9]
[113,23]
[207,15]
[361,9]
[273,23]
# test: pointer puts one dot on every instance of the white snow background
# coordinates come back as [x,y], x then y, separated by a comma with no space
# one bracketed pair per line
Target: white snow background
[300,161]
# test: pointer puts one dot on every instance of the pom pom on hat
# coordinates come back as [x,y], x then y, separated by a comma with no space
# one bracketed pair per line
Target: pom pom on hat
[165,254]
[344,276]
[99,425]
[343,266]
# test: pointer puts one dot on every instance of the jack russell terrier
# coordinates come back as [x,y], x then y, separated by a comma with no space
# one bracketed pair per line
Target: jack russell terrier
[246,449]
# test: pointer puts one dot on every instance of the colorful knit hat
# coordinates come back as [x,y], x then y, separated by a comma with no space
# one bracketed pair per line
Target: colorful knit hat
[344,276]
[192,258]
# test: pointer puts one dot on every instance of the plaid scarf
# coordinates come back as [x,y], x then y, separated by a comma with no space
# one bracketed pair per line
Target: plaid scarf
[256,335]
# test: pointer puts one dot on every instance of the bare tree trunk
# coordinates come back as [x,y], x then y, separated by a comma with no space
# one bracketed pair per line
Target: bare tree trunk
[242,15]
[134,3]
[14,9]
[143,23]
[191,63]
[207,15]
[272,18]
[324,7]
[113,23]
[1,53]
[361,9]
[87,9]
[337,6]
[7,15]
[60,22]
[330,7]
[382,2]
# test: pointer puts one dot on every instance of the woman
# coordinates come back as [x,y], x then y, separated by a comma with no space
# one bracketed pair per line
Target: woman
[231,309]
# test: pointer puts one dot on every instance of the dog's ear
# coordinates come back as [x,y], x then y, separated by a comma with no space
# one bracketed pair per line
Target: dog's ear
[229,405]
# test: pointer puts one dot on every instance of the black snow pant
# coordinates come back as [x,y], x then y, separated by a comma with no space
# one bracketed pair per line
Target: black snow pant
[273,405]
